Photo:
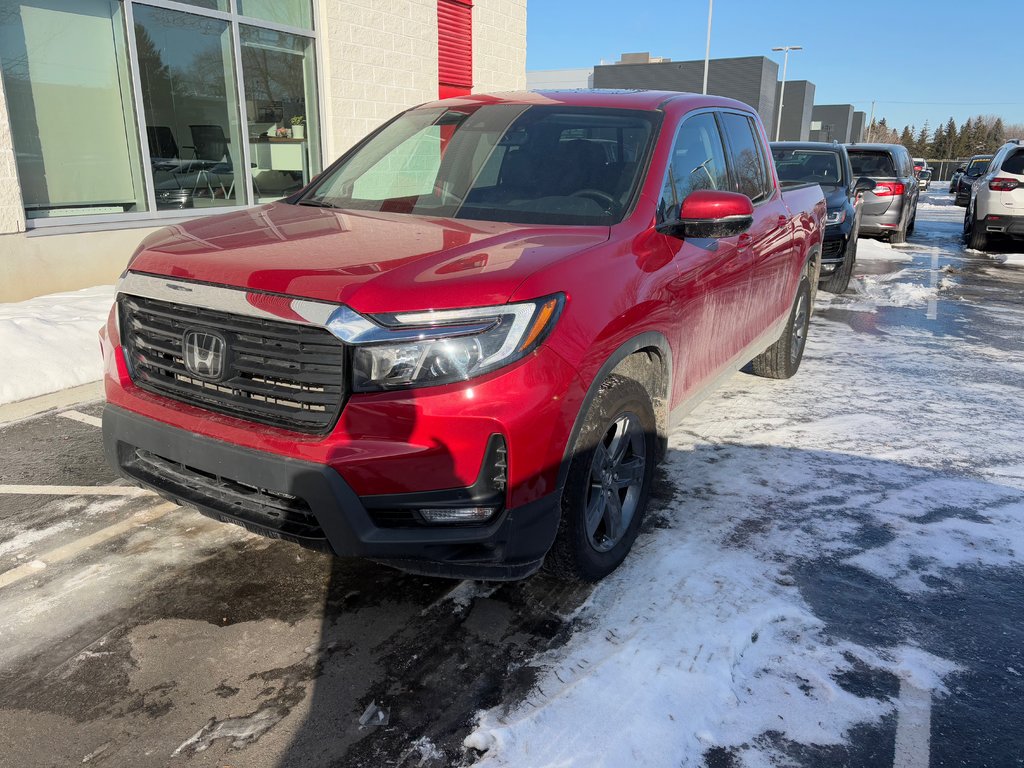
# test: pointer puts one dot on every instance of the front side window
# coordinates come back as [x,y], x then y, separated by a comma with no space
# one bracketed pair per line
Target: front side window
[65,72]
[748,163]
[501,162]
[697,162]
[813,166]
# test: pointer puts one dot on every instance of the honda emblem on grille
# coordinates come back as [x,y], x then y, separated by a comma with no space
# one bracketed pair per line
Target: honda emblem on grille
[205,354]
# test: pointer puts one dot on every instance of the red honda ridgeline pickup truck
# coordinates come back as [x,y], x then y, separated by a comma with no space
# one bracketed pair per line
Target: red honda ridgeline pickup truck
[461,348]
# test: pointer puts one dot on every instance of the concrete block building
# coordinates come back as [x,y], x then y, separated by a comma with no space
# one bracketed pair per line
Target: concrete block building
[797,105]
[832,122]
[859,125]
[750,79]
[121,116]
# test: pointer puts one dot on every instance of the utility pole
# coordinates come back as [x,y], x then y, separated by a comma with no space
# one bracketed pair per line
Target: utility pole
[707,48]
[871,122]
[782,91]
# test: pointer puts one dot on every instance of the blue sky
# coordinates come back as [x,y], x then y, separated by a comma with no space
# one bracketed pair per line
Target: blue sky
[906,54]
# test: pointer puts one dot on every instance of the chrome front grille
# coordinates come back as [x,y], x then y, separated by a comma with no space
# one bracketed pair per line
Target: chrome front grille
[283,374]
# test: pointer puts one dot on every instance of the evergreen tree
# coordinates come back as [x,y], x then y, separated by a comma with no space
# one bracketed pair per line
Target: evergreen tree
[938,142]
[949,148]
[907,138]
[921,145]
[996,135]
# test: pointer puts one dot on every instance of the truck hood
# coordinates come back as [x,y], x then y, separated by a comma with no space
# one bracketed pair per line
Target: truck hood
[372,262]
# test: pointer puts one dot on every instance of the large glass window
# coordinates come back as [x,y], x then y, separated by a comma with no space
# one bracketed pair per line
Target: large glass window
[292,13]
[65,71]
[188,90]
[279,72]
[126,106]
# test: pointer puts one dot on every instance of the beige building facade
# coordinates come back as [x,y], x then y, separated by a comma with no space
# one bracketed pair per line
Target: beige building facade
[118,117]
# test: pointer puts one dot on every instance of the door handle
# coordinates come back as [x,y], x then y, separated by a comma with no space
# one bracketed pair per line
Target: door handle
[782,221]
[744,240]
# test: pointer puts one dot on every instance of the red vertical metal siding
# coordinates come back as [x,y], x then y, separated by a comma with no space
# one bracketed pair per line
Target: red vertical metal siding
[454,47]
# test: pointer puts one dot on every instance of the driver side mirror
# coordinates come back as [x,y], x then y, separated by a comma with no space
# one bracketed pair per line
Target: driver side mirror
[864,184]
[710,213]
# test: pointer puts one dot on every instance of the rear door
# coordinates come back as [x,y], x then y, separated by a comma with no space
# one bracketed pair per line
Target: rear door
[768,245]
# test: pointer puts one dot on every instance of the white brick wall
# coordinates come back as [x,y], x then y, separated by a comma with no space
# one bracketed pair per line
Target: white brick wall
[12,214]
[380,57]
[499,45]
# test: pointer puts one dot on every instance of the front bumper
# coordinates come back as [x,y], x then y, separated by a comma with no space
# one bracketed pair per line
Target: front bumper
[310,503]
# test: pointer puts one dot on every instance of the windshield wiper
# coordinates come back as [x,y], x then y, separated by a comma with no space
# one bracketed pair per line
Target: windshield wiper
[317,203]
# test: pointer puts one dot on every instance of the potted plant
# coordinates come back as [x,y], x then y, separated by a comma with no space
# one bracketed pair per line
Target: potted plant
[283,133]
[298,127]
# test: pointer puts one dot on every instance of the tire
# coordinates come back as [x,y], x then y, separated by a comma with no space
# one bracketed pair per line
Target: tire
[588,546]
[839,281]
[782,359]
[977,238]
[913,224]
[900,235]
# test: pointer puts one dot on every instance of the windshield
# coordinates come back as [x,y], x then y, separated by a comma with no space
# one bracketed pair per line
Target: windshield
[502,162]
[872,164]
[810,165]
[979,166]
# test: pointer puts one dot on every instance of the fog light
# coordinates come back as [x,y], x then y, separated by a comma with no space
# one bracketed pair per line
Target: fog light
[828,268]
[458,514]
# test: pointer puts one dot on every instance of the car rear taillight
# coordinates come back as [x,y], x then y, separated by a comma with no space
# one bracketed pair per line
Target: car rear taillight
[1000,184]
[888,188]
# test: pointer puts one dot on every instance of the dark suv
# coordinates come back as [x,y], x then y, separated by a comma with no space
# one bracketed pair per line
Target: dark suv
[828,165]
[977,166]
[890,209]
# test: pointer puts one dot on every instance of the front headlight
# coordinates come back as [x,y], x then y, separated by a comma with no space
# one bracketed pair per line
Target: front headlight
[835,217]
[451,345]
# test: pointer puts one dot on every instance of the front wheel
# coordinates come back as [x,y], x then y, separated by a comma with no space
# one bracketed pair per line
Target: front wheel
[609,483]
[839,281]
[782,359]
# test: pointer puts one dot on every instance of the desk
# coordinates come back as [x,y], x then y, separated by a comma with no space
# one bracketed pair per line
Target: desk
[273,154]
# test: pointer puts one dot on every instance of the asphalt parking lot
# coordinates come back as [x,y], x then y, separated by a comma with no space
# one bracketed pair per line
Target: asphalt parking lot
[137,633]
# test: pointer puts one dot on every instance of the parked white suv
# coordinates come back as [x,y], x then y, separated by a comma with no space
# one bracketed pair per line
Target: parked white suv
[996,206]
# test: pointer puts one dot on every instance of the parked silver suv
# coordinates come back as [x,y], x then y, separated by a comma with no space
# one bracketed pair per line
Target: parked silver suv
[890,209]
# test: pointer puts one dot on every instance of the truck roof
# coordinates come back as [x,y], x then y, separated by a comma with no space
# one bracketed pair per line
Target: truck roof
[598,97]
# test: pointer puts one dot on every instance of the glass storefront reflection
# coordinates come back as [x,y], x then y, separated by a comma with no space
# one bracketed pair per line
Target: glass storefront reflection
[187,78]
[279,76]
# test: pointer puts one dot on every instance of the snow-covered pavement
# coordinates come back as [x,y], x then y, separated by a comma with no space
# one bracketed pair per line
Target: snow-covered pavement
[894,459]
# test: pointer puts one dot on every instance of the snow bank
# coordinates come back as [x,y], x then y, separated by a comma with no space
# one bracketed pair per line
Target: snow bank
[1014,259]
[49,343]
[878,250]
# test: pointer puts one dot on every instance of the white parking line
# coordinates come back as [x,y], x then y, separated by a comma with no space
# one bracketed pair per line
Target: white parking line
[75,490]
[71,549]
[913,727]
[84,418]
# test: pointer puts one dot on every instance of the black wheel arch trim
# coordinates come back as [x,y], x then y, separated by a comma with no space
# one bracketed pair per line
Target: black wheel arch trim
[645,340]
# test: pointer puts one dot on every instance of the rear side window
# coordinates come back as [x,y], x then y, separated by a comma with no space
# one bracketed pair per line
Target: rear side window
[1015,163]
[697,162]
[748,160]
[872,164]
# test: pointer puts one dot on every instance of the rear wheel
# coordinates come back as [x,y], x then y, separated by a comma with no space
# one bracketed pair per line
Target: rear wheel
[913,224]
[782,359]
[977,237]
[900,234]
[609,483]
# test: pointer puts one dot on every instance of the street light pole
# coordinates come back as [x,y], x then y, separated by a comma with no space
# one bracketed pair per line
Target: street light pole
[782,90]
[707,48]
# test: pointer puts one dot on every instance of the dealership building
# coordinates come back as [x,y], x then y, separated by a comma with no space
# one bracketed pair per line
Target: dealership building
[121,116]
